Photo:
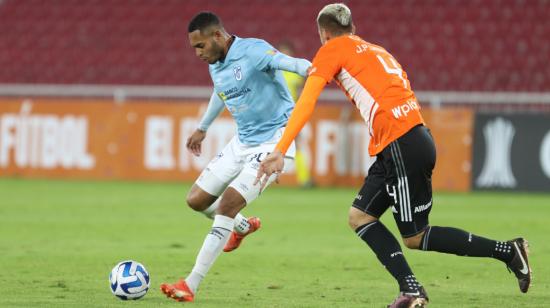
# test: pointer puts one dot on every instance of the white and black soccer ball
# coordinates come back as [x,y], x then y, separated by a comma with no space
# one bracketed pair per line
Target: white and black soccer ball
[129,280]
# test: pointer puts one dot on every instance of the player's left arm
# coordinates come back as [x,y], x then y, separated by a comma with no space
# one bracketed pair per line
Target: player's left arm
[266,57]
[283,62]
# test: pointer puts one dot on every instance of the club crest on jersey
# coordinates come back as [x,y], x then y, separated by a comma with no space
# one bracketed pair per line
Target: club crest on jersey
[238,72]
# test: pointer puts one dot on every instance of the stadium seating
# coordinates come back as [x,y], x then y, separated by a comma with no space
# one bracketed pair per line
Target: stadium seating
[485,45]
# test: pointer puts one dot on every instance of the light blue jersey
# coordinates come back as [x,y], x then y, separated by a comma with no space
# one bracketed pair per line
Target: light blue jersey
[252,89]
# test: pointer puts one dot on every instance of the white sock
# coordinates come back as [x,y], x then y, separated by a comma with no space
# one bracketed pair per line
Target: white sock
[241,223]
[210,250]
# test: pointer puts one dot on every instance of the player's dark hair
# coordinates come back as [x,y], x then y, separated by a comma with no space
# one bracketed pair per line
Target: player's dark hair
[202,21]
[332,25]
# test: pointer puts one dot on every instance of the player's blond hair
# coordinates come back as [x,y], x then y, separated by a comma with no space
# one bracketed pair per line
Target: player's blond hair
[334,16]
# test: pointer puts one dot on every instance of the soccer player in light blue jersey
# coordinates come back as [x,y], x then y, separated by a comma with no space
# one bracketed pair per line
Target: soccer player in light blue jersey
[247,78]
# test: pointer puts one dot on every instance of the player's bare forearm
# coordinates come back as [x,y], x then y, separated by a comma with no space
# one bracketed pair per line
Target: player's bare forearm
[194,142]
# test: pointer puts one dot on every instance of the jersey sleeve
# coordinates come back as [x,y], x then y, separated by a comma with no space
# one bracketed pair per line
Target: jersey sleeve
[215,107]
[261,54]
[327,62]
[286,63]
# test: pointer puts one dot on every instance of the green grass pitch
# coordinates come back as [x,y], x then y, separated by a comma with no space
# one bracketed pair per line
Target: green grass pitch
[60,239]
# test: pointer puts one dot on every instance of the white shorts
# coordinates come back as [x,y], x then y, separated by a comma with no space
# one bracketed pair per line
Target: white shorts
[237,165]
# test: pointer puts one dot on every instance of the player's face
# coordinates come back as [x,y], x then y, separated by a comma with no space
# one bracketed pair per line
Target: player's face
[206,45]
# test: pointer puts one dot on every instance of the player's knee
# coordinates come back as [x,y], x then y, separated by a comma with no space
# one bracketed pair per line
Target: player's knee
[198,199]
[413,242]
[192,202]
[358,218]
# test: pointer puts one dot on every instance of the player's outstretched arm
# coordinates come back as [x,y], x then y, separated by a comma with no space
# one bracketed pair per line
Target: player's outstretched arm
[215,107]
[287,63]
[274,162]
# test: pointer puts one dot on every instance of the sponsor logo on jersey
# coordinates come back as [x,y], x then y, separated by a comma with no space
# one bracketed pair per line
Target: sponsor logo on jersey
[233,93]
[238,72]
[404,109]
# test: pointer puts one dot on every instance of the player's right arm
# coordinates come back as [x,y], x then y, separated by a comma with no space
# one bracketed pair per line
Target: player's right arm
[302,111]
[215,107]
[274,162]
[326,64]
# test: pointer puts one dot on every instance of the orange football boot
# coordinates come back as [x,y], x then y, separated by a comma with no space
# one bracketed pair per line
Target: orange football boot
[236,238]
[178,291]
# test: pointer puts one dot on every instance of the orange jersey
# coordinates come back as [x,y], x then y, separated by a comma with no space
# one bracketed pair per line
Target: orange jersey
[374,82]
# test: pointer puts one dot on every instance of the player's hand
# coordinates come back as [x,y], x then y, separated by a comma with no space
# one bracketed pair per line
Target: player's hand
[194,142]
[272,164]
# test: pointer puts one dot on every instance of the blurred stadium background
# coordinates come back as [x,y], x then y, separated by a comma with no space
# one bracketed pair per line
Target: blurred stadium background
[121,76]
[110,90]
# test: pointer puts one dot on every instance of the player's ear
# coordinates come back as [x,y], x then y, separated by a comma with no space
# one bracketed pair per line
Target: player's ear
[326,35]
[353,28]
[217,34]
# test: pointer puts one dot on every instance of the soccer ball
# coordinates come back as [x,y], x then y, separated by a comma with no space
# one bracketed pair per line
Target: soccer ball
[129,280]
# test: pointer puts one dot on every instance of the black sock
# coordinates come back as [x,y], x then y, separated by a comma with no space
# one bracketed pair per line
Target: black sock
[388,251]
[462,243]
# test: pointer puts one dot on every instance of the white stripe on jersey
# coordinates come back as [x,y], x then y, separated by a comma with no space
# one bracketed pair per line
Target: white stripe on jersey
[362,98]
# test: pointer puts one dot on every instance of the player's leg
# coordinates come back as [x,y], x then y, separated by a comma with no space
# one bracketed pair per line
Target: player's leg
[208,202]
[514,253]
[414,157]
[252,157]
[370,203]
[203,197]
[212,182]
[240,192]
[231,203]
[243,184]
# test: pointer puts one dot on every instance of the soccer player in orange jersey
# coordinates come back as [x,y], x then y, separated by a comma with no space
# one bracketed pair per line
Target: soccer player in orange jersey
[400,178]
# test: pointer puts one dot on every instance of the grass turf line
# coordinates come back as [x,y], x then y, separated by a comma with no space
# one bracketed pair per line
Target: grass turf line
[60,239]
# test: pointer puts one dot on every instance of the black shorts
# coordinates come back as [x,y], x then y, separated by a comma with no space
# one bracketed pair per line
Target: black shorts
[401,178]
